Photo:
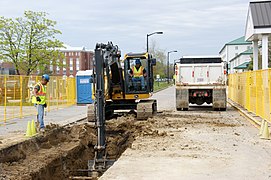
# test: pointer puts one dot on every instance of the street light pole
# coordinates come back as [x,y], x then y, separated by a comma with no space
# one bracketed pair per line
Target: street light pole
[148,38]
[168,64]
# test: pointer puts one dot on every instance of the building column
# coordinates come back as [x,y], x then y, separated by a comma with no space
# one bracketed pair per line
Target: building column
[255,55]
[265,51]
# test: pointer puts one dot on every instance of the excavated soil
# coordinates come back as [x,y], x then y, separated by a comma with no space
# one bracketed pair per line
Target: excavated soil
[60,152]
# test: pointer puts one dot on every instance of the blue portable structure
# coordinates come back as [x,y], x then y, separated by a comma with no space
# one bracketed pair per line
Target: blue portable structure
[84,87]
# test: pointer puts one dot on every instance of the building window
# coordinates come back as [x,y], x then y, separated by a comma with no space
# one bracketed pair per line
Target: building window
[77,64]
[236,54]
[236,47]
[64,66]
[71,64]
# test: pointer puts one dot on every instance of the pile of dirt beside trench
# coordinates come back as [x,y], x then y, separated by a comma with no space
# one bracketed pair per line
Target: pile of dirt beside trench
[62,151]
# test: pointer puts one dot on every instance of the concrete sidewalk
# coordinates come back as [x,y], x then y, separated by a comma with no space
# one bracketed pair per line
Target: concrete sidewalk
[15,129]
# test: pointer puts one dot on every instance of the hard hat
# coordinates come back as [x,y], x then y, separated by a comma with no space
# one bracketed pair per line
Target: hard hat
[46,77]
[137,61]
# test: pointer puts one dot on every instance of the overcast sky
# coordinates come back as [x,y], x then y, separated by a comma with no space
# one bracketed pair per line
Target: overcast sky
[192,27]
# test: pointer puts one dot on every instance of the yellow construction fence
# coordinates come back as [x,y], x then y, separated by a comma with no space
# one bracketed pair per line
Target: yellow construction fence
[16,93]
[252,90]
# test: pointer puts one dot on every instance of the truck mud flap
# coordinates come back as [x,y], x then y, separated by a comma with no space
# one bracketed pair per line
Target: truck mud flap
[182,99]
[219,99]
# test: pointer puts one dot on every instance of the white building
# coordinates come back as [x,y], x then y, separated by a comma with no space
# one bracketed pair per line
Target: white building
[235,53]
[241,61]
[258,30]
[233,48]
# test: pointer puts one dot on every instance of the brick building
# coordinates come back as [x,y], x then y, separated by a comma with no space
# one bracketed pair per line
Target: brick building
[6,68]
[76,59]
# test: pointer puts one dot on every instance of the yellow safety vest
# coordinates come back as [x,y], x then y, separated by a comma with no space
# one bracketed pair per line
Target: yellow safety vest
[139,72]
[41,93]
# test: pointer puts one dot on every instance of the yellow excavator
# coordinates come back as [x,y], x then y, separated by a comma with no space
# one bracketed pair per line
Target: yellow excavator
[123,91]
[118,88]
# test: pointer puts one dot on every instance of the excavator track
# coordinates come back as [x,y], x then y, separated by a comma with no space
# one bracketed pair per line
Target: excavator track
[146,109]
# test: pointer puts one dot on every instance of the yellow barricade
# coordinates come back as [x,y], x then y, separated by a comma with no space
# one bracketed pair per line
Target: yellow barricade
[252,90]
[16,93]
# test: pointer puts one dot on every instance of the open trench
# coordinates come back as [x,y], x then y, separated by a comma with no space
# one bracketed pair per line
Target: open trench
[63,150]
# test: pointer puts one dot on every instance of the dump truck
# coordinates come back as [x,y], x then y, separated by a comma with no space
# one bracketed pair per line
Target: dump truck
[201,80]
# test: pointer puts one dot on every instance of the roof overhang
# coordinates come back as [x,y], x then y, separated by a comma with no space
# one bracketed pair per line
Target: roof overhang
[255,31]
[242,66]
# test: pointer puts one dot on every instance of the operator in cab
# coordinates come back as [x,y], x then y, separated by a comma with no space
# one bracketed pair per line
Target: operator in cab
[138,73]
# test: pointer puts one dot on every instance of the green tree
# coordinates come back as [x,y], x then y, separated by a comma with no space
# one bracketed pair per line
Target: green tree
[160,55]
[250,66]
[29,42]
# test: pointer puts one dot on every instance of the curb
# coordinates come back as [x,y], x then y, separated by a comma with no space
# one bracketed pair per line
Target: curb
[245,113]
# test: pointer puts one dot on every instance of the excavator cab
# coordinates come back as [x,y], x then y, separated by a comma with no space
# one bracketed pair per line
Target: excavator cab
[138,73]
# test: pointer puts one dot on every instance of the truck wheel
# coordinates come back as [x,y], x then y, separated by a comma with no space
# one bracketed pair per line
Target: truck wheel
[223,109]
[179,109]
[185,109]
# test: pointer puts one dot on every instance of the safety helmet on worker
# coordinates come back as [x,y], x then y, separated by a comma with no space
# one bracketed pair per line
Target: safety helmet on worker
[46,77]
[137,61]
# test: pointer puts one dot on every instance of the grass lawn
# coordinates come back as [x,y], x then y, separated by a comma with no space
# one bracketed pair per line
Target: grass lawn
[161,85]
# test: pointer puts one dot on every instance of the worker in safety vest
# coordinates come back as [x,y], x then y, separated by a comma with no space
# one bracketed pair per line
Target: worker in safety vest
[39,99]
[138,73]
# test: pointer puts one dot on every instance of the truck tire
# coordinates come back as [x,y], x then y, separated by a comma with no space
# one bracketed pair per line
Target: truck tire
[185,109]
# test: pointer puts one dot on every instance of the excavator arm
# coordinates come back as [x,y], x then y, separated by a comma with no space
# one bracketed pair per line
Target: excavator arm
[106,65]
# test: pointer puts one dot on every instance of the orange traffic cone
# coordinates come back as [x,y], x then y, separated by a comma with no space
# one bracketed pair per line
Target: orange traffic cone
[28,130]
[33,128]
[265,134]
